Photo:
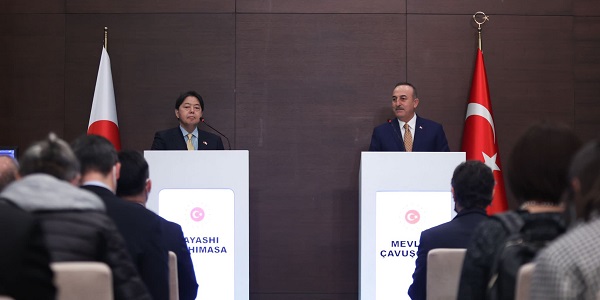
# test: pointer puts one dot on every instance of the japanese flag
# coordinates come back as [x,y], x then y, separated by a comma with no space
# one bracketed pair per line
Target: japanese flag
[103,118]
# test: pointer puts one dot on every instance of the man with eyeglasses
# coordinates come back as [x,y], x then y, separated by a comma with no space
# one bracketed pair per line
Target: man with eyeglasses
[188,110]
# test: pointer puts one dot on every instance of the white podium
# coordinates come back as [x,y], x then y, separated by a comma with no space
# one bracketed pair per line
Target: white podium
[401,194]
[207,193]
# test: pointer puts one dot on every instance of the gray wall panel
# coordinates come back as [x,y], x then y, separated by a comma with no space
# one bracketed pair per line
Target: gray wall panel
[32,62]
[301,85]
[321,6]
[154,58]
[309,90]
[140,6]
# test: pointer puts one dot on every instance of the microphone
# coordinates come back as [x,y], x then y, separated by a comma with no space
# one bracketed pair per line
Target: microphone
[203,121]
[396,131]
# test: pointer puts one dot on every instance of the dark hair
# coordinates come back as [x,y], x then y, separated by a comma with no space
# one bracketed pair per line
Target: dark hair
[51,156]
[187,94]
[95,153]
[409,84]
[586,169]
[134,173]
[537,169]
[473,184]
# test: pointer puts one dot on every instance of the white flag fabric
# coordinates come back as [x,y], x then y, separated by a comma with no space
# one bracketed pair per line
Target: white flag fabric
[103,118]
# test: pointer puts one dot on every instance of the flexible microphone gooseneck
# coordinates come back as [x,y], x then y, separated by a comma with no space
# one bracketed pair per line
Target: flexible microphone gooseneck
[397,133]
[228,144]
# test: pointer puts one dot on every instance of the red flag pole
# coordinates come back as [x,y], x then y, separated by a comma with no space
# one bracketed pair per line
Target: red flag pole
[479,137]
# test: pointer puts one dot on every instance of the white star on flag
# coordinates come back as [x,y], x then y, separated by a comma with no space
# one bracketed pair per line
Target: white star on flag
[491,161]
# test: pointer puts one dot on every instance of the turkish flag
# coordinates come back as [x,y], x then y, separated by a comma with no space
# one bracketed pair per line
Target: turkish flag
[479,138]
[103,118]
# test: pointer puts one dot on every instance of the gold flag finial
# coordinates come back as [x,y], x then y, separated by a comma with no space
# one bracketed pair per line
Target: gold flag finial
[106,38]
[480,18]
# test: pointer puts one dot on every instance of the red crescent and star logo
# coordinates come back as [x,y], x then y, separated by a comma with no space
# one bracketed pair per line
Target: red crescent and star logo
[197,214]
[412,216]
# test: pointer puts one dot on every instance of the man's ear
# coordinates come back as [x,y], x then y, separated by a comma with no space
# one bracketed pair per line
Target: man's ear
[117,170]
[177,114]
[148,185]
[76,181]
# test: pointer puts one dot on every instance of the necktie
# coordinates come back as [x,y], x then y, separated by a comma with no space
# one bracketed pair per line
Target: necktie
[408,139]
[190,146]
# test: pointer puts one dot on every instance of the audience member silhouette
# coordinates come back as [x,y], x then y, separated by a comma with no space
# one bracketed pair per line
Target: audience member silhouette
[100,170]
[537,172]
[569,268]
[134,185]
[24,260]
[76,227]
[472,189]
[8,170]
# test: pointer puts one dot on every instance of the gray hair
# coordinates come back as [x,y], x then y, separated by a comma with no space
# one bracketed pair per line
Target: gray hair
[51,156]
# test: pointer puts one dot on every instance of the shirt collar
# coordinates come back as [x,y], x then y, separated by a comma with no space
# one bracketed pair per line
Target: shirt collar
[98,183]
[412,123]
[465,211]
[185,133]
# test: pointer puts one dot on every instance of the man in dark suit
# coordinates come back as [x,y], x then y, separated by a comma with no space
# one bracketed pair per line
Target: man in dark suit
[188,110]
[134,185]
[408,132]
[139,227]
[472,189]
[24,259]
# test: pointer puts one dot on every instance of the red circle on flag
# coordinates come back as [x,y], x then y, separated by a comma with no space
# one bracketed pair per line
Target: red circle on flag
[107,129]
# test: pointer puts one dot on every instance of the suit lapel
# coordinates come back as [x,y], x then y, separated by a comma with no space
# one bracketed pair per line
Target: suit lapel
[178,139]
[398,134]
[418,136]
[202,142]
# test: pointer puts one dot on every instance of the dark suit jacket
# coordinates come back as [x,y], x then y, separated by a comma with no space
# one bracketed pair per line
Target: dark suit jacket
[188,287]
[454,234]
[172,139]
[143,234]
[429,137]
[24,259]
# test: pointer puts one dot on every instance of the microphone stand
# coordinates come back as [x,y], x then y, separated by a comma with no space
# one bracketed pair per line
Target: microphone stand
[228,144]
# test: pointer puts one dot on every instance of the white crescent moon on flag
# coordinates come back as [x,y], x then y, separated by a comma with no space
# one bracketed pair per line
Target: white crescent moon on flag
[475,109]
